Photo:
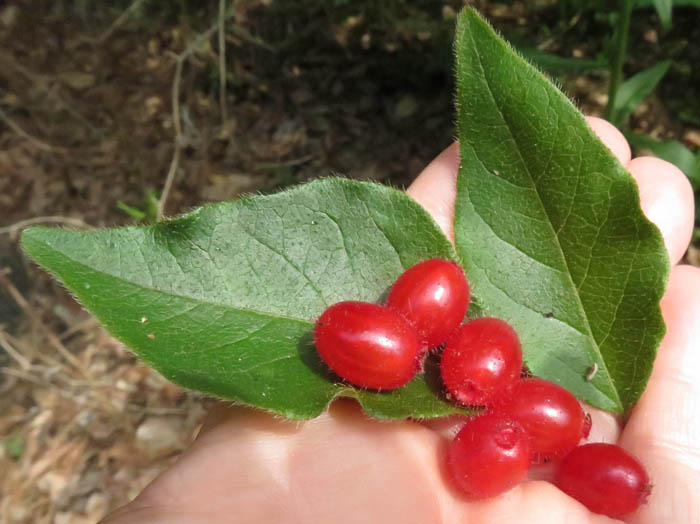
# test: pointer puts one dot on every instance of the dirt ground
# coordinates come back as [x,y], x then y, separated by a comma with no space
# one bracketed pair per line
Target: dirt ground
[87,130]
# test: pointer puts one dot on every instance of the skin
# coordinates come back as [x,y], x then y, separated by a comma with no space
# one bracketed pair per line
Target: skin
[249,467]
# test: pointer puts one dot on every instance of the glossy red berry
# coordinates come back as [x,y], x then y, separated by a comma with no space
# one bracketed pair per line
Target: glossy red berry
[433,296]
[488,456]
[368,345]
[480,360]
[605,478]
[551,416]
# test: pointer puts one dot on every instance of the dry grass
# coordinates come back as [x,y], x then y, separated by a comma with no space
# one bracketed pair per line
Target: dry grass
[84,426]
[83,437]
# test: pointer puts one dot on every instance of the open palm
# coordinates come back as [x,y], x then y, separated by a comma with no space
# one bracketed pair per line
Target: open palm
[342,467]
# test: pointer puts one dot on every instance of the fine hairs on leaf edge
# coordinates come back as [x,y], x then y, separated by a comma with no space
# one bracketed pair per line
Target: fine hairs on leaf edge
[470,16]
[471,11]
[344,391]
[38,248]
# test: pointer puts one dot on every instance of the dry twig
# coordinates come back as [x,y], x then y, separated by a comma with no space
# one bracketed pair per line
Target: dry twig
[21,132]
[99,402]
[44,84]
[244,34]
[13,229]
[52,338]
[177,125]
[222,61]
[175,160]
[119,21]
[29,352]
[77,328]
[5,344]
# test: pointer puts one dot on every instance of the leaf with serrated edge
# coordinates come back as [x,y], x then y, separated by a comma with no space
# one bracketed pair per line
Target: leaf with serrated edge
[223,300]
[549,227]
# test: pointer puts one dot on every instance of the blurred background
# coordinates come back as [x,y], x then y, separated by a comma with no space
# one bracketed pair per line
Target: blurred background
[113,113]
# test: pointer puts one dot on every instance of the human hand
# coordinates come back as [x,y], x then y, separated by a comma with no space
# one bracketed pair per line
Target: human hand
[250,467]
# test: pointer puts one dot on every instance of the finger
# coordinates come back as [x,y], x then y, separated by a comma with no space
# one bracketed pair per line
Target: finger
[253,467]
[157,515]
[605,427]
[341,466]
[664,428]
[665,192]
[436,188]
[667,200]
[530,502]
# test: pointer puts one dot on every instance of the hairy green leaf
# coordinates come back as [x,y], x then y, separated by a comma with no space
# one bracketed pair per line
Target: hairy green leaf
[223,300]
[549,227]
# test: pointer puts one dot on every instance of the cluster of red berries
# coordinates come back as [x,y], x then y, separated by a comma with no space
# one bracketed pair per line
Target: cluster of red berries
[524,421]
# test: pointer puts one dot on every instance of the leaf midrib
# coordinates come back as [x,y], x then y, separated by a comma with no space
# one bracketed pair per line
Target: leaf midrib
[582,309]
[172,294]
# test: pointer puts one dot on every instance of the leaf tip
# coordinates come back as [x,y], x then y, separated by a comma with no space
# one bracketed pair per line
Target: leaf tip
[470,16]
[33,239]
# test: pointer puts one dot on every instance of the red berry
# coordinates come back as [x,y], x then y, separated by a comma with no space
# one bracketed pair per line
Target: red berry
[481,359]
[433,296]
[551,416]
[604,478]
[488,456]
[367,345]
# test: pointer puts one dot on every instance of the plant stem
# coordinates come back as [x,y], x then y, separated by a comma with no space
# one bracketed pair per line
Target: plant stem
[222,62]
[623,29]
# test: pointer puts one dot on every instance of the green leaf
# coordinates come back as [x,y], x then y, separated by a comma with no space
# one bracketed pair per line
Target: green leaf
[664,9]
[134,213]
[223,300]
[672,151]
[549,228]
[14,446]
[672,3]
[635,89]
[149,213]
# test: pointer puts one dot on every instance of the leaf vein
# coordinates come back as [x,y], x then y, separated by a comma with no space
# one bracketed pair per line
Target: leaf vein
[291,264]
[594,344]
[185,297]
